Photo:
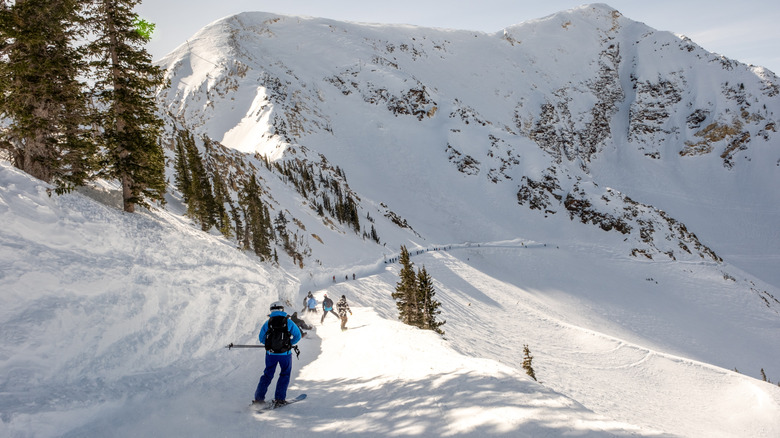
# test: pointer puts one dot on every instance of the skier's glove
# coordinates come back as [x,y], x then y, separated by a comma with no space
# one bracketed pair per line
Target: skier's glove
[297,351]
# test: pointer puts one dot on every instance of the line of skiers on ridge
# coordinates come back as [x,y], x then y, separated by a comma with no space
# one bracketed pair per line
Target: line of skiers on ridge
[346,278]
[418,252]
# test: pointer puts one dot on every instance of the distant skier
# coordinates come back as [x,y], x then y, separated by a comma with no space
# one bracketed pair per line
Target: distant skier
[327,306]
[305,299]
[307,305]
[343,308]
[279,334]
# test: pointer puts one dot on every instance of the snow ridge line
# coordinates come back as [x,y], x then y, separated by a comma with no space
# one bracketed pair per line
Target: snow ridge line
[321,280]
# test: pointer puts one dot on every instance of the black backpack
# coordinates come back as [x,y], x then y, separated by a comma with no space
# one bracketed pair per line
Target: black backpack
[277,337]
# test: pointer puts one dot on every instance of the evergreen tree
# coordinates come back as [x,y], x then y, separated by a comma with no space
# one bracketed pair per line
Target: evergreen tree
[193,182]
[41,94]
[280,223]
[202,206]
[267,223]
[181,172]
[221,197]
[405,294]
[238,226]
[125,84]
[255,215]
[527,359]
[429,307]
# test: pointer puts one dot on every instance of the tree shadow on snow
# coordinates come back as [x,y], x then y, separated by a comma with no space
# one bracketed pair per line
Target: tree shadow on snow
[451,404]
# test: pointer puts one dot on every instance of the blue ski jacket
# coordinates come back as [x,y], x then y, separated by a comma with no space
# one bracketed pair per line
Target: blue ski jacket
[312,303]
[295,332]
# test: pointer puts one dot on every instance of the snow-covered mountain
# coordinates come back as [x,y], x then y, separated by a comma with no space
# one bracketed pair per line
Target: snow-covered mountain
[582,184]
[583,116]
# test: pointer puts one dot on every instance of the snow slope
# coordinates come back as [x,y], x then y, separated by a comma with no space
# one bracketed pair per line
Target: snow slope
[115,325]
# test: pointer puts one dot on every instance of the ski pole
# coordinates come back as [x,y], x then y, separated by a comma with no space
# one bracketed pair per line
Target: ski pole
[231,346]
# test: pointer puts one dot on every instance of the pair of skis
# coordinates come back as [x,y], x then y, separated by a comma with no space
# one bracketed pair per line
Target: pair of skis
[269,406]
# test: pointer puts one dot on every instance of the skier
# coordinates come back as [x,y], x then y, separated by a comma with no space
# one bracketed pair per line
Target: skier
[305,299]
[327,306]
[343,308]
[306,305]
[300,322]
[311,303]
[279,335]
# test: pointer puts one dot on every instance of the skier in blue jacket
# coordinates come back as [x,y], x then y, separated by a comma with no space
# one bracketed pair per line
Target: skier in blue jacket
[272,359]
[311,303]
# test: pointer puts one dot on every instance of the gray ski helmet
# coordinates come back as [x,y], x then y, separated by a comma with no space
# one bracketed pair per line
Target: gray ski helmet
[277,305]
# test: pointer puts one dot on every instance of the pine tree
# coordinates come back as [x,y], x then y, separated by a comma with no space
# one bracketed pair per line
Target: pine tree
[181,172]
[126,81]
[221,197]
[41,94]
[202,207]
[527,359]
[429,307]
[192,180]
[405,294]
[374,235]
[238,226]
[255,215]
[280,223]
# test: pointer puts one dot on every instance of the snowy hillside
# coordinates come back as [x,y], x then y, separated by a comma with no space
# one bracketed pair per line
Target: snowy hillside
[115,325]
[582,184]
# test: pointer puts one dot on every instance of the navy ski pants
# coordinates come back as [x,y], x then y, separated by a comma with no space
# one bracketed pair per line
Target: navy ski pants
[285,363]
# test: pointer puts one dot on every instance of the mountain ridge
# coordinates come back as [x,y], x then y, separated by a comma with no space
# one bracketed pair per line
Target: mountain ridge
[414,89]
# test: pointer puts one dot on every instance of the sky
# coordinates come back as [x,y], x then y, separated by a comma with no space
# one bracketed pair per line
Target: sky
[746,31]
